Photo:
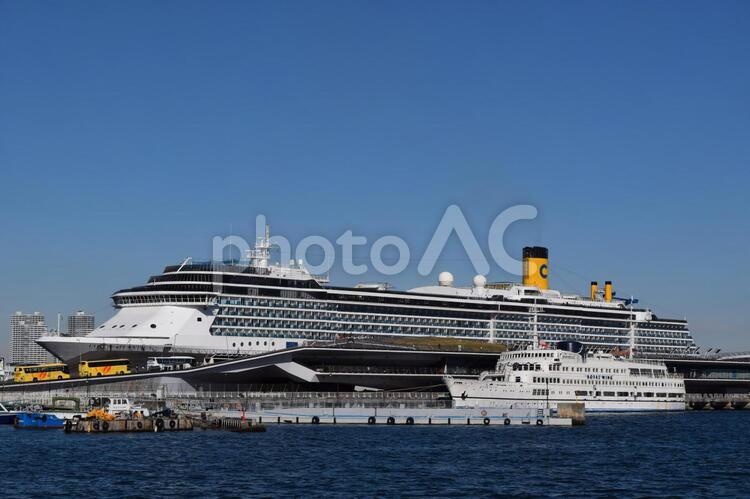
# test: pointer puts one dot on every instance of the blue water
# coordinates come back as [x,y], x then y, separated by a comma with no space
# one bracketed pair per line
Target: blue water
[686,454]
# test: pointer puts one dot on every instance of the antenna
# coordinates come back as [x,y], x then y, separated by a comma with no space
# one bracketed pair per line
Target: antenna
[185,262]
[262,252]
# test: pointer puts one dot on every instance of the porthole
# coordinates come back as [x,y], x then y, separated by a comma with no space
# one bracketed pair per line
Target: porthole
[199,319]
[153,326]
[134,325]
[234,344]
[242,344]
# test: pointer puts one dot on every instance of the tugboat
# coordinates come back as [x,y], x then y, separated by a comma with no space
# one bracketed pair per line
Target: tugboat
[38,421]
[6,416]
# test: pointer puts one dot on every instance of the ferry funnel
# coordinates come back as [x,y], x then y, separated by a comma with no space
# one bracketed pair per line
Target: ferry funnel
[536,267]
[594,290]
[570,346]
[608,291]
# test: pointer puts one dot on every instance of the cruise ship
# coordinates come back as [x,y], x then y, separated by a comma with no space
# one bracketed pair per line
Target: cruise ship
[218,308]
[543,376]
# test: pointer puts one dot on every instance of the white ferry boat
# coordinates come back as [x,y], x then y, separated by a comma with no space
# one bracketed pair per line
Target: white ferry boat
[255,306]
[542,377]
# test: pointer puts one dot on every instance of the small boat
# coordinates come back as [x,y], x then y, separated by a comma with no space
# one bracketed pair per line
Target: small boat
[38,421]
[6,416]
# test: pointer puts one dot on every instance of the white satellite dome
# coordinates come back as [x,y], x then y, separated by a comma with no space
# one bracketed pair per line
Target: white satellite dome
[480,281]
[445,279]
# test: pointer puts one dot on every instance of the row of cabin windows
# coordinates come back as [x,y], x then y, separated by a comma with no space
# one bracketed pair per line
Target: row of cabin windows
[436,327]
[600,382]
[592,370]
[250,344]
[419,311]
[580,393]
[546,380]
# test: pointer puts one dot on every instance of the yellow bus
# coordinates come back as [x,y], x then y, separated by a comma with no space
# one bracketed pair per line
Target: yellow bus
[41,372]
[109,367]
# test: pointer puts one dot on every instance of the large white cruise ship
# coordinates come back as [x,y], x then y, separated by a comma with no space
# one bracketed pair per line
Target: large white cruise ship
[205,309]
[542,377]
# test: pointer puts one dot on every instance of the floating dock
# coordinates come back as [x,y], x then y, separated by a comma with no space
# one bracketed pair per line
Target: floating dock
[156,424]
[238,425]
[569,415]
[363,408]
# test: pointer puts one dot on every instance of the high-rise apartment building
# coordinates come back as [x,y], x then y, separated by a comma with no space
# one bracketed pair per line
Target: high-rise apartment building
[25,329]
[80,324]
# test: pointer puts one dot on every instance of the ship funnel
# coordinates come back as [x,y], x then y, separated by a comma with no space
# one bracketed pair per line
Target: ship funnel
[570,346]
[594,290]
[536,267]
[608,291]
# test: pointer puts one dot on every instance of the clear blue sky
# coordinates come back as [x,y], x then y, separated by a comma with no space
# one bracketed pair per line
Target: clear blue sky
[131,133]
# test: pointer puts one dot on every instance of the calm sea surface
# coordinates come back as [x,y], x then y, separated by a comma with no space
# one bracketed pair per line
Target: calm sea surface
[689,454]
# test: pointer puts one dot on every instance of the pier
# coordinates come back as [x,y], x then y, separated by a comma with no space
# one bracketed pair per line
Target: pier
[373,408]
[717,401]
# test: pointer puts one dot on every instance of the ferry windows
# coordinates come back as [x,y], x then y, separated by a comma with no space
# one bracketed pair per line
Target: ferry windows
[153,326]
[199,319]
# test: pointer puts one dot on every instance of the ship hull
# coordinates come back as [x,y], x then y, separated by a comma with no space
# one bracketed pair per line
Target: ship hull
[471,394]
